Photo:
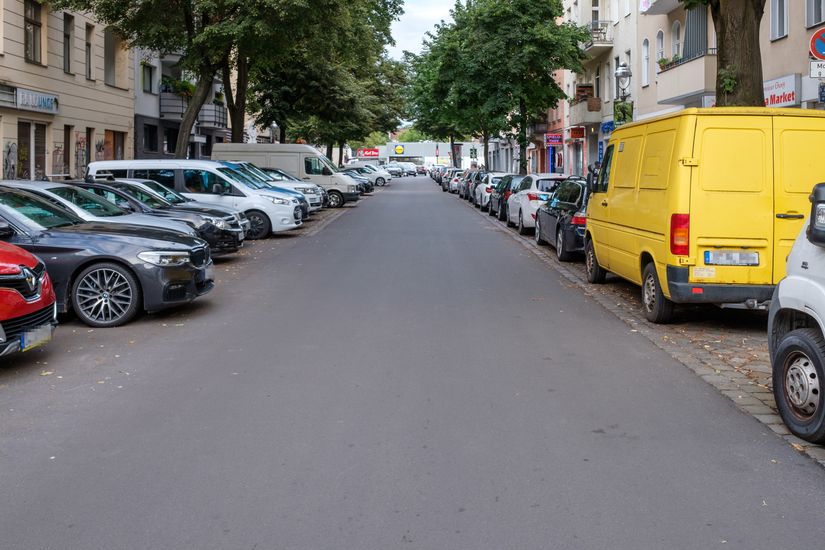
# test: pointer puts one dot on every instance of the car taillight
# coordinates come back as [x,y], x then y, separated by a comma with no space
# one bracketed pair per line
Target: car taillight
[488,189]
[532,197]
[578,219]
[680,234]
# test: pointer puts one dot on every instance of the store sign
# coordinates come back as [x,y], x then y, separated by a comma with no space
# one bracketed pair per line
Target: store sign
[399,149]
[783,92]
[552,139]
[29,100]
[367,153]
[577,132]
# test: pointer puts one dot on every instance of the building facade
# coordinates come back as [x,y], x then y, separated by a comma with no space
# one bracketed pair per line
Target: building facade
[66,92]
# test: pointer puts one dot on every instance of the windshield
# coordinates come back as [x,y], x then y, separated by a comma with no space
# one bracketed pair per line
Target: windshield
[255,171]
[279,175]
[240,177]
[326,162]
[91,203]
[37,210]
[495,181]
[146,197]
[164,192]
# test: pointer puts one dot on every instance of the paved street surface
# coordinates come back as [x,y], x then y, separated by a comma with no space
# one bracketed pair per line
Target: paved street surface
[408,376]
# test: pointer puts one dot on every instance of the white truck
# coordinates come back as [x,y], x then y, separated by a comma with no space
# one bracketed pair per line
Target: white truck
[302,161]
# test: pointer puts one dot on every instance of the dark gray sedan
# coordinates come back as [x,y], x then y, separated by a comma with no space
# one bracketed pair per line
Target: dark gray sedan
[106,273]
[562,219]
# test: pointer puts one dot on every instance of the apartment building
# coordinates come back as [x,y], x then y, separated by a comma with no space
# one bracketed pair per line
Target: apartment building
[66,92]
[161,97]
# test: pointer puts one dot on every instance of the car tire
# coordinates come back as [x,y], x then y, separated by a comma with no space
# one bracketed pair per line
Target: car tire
[595,273]
[562,254]
[656,307]
[336,199]
[521,229]
[539,239]
[380,182]
[798,383]
[106,295]
[490,211]
[507,218]
[502,215]
[260,226]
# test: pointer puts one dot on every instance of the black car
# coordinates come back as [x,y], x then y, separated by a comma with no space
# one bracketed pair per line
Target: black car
[561,220]
[500,194]
[364,184]
[106,273]
[475,180]
[222,240]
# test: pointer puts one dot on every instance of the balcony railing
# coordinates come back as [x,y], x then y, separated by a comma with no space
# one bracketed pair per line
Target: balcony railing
[172,107]
[678,60]
[585,110]
[212,116]
[686,81]
[601,37]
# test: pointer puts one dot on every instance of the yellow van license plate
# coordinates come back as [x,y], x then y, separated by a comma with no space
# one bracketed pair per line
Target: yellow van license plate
[731,257]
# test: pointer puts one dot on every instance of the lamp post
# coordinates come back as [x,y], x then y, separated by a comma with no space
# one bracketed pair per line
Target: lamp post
[623,76]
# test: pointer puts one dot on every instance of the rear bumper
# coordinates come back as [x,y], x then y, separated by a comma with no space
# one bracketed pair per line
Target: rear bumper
[684,292]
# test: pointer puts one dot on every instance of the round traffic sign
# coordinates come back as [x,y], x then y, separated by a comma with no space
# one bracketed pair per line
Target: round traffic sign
[817,46]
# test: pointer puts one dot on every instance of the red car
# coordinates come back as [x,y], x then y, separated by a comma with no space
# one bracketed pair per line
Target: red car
[27,302]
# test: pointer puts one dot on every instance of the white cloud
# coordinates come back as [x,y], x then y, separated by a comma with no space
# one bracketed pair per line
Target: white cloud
[419,17]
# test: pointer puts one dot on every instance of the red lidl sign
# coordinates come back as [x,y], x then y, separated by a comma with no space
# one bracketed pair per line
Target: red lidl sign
[367,153]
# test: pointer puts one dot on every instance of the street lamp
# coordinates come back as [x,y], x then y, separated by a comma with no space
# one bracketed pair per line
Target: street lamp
[623,75]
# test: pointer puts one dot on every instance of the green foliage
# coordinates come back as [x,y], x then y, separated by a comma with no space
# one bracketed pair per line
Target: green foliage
[373,140]
[726,77]
[412,134]
[622,112]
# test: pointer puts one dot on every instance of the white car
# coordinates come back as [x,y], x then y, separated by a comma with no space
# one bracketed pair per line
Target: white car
[533,191]
[376,175]
[483,190]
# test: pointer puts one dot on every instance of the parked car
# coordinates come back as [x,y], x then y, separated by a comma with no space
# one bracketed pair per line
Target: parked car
[364,182]
[106,273]
[94,208]
[474,181]
[502,192]
[212,182]
[28,313]
[306,192]
[409,168]
[531,192]
[394,169]
[282,177]
[221,237]
[253,178]
[420,169]
[562,219]
[464,182]
[485,188]
[701,206]
[448,177]
[376,177]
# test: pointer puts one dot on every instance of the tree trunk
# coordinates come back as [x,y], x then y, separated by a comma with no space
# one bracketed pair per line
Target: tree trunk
[452,150]
[486,139]
[329,151]
[192,110]
[236,102]
[341,154]
[282,132]
[522,138]
[739,76]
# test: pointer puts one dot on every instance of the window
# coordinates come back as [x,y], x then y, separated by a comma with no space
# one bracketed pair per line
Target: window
[90,40]
[163,177]
[90,136]
[779,19]
[660,46]
[147,75]
[645,62]
[170,139]
[67,149]
[113,59]
[595,11]
[150,138]
[32,35]
[676,39]
[313,166]
[91,203]
[598,81]
[525,184]
[68,41]
[547,185]
[114,145]
[815,12]
[200,181]
[608,83]
[604,173]
[31,151]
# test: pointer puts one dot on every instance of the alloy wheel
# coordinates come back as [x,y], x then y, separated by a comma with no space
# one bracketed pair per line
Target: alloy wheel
[104,296]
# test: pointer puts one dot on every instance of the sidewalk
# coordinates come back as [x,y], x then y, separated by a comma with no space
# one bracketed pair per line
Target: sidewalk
[727,348]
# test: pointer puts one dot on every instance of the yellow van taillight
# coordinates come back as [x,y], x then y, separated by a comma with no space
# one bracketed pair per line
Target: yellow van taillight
[680,234]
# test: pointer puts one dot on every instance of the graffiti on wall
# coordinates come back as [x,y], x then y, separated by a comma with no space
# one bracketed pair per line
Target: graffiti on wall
[58,166]
[80,154]
[10,161]
[100,148]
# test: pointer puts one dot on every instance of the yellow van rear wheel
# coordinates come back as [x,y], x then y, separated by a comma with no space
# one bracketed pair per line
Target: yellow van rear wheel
[657,308]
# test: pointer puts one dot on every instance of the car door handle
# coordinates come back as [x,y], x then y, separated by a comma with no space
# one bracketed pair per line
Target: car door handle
[790,216]
[604,203]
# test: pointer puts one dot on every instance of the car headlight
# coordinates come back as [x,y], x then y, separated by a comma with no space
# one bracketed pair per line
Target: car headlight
[279,200]
[164,258]
[217,222]
[352,188]
[305,190]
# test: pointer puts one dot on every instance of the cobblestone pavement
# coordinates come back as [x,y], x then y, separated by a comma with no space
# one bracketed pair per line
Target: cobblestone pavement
[727,348]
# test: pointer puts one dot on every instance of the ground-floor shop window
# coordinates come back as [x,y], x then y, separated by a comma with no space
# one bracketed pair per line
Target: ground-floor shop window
[31,151]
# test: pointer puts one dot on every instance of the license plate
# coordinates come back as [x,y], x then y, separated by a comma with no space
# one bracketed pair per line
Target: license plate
[36,337]
[731,257]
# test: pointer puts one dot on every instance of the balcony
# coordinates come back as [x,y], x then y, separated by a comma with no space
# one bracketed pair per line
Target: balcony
[601,38]
[172,106]
[212,116]
[586,111]
[659,7]
[687,81]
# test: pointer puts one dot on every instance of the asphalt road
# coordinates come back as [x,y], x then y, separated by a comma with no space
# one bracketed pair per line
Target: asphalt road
[408,377]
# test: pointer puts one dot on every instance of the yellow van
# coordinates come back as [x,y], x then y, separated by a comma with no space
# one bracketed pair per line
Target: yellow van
[703,206]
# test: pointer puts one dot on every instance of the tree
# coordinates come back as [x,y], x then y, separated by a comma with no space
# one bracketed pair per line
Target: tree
[199,30]
[739,58]
[412,134]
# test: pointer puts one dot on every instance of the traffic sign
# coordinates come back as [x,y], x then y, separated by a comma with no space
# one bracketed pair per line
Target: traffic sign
[817,69]
[817,46]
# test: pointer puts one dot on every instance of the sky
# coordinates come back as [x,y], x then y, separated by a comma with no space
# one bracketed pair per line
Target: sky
[419,17]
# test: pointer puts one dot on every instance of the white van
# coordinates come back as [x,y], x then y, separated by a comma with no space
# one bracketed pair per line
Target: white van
[303,161]
[211,182]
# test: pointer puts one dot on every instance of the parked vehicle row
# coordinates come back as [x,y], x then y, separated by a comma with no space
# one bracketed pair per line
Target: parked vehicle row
[133,236]
[706,206]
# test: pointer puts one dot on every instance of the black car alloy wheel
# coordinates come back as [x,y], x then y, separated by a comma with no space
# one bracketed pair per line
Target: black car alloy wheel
[105,295]
[259,225]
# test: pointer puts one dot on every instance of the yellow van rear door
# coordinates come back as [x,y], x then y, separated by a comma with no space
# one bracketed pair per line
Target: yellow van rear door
[731,200]
[799,143]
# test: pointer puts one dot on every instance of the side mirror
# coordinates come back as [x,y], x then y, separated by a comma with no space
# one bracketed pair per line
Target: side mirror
[326,171]
[5,230]
[218,189]
[816,227]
